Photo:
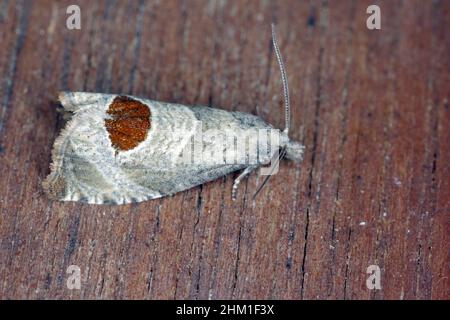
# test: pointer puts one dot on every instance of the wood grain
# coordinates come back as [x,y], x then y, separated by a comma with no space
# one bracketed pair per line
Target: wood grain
[371,107]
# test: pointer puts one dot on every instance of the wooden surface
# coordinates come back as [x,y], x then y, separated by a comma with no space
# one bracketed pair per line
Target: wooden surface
[371,107]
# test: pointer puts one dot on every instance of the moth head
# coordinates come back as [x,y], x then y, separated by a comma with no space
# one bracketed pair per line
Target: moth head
[294,151]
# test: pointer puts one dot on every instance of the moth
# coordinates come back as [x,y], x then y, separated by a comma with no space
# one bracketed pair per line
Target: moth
[120,149]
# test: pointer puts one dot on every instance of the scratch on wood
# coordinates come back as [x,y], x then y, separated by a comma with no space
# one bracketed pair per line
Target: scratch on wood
[10,77]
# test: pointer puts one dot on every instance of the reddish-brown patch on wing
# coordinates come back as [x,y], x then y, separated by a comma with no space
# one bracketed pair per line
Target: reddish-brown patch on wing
[129,123]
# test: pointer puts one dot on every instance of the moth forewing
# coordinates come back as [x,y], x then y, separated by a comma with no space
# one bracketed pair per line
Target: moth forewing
[89,164]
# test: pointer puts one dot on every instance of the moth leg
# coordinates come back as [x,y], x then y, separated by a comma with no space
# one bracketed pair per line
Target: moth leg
[237,181]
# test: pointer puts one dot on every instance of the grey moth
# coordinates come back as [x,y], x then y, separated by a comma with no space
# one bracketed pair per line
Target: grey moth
[119,149]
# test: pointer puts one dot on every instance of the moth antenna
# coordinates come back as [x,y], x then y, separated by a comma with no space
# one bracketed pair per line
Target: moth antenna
[284,79]
[287,106]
